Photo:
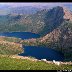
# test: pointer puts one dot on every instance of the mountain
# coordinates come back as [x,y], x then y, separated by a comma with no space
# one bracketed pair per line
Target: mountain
[7,9]
[24,10]
[61,24]
[41,22]
[54,25]
[60,36]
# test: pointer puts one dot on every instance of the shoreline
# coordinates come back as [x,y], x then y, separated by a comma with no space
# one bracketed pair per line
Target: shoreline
[35,60]
[29,58]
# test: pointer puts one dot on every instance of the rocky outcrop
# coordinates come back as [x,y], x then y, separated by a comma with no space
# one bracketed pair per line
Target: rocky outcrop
[67,14]
[52,36]
[62,17]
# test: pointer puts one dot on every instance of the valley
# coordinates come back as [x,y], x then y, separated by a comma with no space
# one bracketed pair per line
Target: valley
[36,33]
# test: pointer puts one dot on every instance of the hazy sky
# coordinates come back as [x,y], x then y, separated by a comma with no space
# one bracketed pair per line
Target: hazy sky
[35,4]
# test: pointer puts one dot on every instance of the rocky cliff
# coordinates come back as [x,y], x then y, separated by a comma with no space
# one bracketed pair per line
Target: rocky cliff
[60,38]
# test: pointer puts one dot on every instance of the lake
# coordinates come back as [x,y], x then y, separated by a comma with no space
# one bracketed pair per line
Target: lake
[34,51]
[42,53]
[22,35]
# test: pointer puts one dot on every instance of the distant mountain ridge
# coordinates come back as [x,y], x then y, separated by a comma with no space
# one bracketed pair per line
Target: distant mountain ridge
[18,10]
[42,22]
[24,10]
[54,25]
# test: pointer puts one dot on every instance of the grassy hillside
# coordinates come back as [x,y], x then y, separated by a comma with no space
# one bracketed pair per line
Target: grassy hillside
[10,39]
[9,48]
[19,64]
[36,42]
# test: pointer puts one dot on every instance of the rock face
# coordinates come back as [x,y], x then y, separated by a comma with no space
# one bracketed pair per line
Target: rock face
[42,22]
[64,29]
[52,35]
[53,18]
[54,25]
[60,38]
[67,14]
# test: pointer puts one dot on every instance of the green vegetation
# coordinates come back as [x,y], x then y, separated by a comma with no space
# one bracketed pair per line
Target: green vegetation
[68,56]
[12,39]
[66,51]
[11,23]
[7,48]
[42,22]
[32,43]
[19,64]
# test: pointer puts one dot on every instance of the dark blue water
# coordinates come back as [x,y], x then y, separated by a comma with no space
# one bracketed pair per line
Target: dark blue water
[37,52]
[42,53]
[22,35]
